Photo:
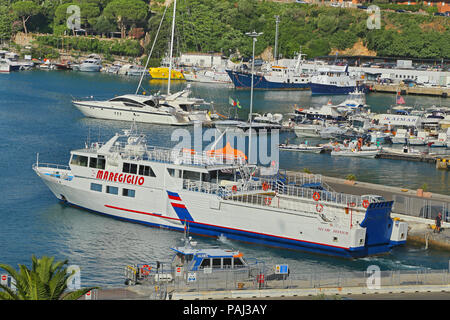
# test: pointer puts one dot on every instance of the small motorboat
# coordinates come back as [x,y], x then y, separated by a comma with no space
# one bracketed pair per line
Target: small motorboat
[370,153]
[301,148]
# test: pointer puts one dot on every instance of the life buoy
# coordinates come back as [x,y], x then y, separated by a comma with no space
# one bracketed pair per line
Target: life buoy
[268,201]
[365,204]
[352,204]
[265,186]
[234,188]
[145,270]
[316,196]
[319,207]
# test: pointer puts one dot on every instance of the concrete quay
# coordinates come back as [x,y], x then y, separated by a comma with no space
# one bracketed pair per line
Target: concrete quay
[420,229]
[404,90]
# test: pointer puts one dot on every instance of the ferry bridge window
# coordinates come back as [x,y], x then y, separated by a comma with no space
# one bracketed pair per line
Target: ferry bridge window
[238,262]
[112,190]
[101,163]
[216,263]
[96,187]
[146,171]
[79,160]
[128,192]
[227,262]
[206,263]
[129,168]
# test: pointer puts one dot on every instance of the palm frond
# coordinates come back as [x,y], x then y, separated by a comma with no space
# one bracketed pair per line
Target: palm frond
[77,294]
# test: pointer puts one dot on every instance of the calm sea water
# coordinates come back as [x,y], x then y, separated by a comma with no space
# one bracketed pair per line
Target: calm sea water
[36,115]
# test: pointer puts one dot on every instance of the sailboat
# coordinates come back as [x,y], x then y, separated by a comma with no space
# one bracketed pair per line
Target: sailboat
[170,109]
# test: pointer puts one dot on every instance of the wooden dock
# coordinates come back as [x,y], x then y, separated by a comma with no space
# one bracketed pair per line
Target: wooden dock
[405,90]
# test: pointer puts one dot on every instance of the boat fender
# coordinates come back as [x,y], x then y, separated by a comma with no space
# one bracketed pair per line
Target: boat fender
[365,204]
[319,207]
[316,196]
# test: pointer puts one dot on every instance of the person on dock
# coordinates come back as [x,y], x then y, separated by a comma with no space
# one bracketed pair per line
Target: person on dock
[438,223]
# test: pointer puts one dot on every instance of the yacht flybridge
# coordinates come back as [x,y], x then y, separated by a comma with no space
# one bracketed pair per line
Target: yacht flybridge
[216,192]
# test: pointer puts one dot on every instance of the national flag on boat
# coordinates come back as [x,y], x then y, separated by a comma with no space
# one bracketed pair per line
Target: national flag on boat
[400,100]
[234,103]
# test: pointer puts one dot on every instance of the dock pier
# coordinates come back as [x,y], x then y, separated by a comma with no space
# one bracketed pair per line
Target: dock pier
[415,90]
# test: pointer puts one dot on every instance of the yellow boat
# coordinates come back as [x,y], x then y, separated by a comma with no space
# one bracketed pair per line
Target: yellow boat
[163,73]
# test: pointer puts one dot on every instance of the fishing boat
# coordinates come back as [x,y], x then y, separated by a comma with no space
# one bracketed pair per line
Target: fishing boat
[217,193]
[333,81]
[303,147]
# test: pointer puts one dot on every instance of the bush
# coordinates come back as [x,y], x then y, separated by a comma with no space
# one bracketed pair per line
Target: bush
[90,44]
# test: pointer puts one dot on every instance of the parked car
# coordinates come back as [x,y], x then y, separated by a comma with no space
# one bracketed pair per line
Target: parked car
[439,14]
[300,1]
[362,7]
[400,10]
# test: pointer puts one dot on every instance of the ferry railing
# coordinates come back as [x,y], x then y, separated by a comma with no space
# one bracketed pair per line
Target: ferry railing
[51,166]
[266,192]
[170,155]
[267,278]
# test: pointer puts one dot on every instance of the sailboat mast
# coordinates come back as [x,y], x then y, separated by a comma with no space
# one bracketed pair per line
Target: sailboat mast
[171,46]
[151,51]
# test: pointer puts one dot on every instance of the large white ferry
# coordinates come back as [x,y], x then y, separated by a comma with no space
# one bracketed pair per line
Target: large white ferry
[216,193]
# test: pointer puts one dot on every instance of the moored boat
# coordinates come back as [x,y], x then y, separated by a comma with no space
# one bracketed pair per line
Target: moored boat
[219,194]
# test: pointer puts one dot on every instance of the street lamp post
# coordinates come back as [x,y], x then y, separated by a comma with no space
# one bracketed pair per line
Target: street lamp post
[254,35]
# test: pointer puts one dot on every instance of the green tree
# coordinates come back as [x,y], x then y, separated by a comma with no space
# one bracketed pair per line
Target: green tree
[6,21]
[46,280]
[126,12]
[25,10]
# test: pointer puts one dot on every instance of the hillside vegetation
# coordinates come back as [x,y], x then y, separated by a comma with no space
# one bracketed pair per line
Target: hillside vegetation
[220,26]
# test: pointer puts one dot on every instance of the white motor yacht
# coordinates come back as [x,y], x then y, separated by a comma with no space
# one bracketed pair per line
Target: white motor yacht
[308,130]
[93,63]
[133,107]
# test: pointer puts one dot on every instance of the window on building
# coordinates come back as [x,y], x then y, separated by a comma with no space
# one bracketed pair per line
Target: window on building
[112,190]
[128,193]
[96,187]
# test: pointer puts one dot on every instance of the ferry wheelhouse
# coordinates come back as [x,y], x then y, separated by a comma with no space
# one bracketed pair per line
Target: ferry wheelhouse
[217,193]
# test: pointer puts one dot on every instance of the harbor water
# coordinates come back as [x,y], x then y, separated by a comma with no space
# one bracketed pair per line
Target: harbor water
[37,116]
